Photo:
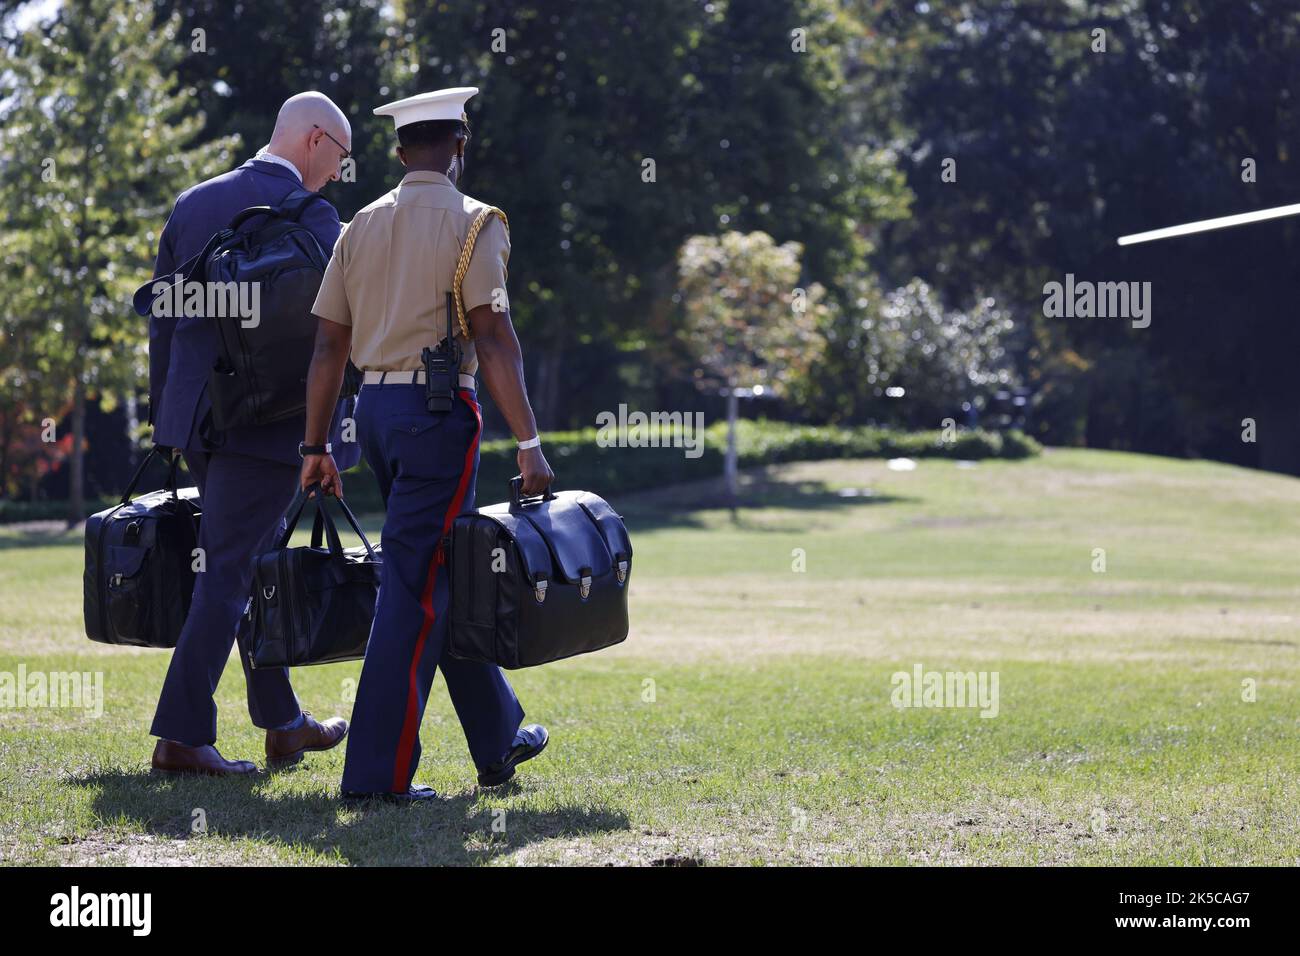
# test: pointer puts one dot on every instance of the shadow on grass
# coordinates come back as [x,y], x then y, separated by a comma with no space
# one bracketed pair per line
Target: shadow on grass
[679,506]
[448,831]
[674,506]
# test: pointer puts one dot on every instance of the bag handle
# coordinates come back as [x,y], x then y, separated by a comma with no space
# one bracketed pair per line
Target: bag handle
[318,526]
[317,529]
[291,207]
[517,499]
[291,516]
[168,485]
[331,532]
[294,512]
[462,266]
[356,526]
[251,212]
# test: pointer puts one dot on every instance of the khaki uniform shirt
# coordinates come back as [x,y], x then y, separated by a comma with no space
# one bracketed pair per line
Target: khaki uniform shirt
[393,266]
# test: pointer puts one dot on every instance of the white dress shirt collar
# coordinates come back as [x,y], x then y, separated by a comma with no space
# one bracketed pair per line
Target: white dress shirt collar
[269,157]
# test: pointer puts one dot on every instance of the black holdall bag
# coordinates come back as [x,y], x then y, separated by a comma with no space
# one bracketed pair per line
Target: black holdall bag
[260,373]
[313,605]
[140,555]
[535,580]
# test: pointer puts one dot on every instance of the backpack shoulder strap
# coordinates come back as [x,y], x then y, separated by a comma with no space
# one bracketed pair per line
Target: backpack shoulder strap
[290,207]
[143,298]
[466,253]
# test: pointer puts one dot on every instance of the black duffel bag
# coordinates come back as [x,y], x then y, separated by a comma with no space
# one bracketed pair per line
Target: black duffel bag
[313,605]
[535,580]
[140,554]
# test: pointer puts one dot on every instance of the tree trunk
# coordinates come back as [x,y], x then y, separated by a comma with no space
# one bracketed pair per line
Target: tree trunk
[547,394]
[537,392]
[6,437]
[77,471]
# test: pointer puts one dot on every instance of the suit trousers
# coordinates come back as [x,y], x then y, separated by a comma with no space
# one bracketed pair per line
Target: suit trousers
[243,501]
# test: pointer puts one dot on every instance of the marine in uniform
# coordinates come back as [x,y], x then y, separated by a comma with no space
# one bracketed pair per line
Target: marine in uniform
[385,300]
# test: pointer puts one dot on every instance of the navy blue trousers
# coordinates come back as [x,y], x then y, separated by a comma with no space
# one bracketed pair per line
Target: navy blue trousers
[426,464]
[243,505]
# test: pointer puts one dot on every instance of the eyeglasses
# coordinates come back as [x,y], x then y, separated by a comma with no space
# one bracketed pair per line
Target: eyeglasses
[347,154]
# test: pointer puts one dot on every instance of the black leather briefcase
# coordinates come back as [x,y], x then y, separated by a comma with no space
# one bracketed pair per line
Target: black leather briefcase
[538,579]
[139,575]
[313,605]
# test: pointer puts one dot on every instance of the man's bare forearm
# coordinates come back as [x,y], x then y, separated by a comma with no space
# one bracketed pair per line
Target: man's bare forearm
[325,378]
[501,362]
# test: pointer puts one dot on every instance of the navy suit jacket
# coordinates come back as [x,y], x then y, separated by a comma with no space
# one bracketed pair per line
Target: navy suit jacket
[182,351]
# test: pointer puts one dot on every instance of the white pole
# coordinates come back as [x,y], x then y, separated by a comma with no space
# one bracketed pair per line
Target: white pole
[729,467]
[1205,225]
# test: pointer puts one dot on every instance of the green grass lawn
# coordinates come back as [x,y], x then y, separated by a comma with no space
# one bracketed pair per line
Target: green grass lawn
[748,717]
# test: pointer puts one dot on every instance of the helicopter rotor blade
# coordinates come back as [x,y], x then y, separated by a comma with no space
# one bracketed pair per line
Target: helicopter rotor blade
[1206,225]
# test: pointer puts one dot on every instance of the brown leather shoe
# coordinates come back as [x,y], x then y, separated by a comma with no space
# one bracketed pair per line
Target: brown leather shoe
[170,757]
[284,748]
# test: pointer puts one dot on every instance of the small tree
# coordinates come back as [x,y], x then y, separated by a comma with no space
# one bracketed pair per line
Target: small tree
[748,323]
[94,138]
[940,357]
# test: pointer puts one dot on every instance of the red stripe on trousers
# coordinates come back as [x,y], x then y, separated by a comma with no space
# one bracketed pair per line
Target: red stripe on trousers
[410,726]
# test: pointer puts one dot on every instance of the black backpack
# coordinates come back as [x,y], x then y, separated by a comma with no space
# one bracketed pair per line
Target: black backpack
[260,374]
[139,564]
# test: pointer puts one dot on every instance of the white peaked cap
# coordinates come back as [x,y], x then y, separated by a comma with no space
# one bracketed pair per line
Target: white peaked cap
[438,105]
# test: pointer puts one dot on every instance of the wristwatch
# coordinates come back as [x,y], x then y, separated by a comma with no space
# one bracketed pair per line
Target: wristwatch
[305,450]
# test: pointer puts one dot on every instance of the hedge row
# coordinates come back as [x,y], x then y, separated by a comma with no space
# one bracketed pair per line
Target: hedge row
[580,461]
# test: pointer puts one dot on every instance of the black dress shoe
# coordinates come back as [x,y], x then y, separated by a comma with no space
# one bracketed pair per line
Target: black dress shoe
[529,742]
[416,793]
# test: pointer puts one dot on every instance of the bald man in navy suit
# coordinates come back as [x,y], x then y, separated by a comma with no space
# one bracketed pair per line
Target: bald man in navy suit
[246,476]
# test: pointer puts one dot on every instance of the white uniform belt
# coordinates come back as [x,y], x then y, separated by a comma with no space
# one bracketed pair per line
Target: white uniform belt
[409,377]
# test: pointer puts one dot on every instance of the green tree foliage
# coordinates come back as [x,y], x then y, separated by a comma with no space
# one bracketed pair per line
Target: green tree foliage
[1060,148]
[747,325]
[243,61]
[612,132]
[747,321]
[942,359]
[95,139]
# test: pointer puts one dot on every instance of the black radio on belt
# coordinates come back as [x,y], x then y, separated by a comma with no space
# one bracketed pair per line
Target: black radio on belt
[442,369]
